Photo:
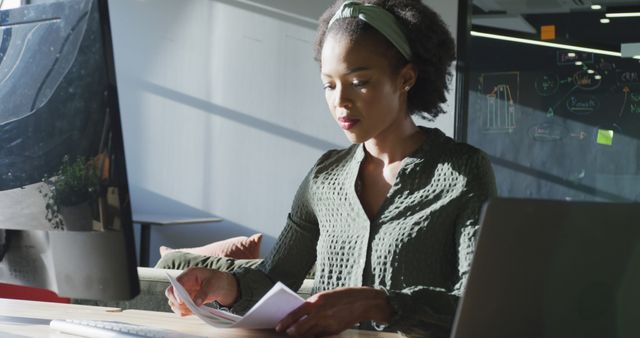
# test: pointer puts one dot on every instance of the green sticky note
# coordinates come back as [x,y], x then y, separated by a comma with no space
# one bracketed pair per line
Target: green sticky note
[605,137]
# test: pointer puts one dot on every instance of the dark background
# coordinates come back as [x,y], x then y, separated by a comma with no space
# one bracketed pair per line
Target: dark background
[548,146]
[70,123]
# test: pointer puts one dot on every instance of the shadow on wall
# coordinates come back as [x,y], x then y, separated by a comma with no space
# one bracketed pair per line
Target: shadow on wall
[188,235]
[238,117]
[302,13]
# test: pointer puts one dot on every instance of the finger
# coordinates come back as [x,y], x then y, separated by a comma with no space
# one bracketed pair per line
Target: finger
[194,280]
[184,310]
[168,292]
[293,317]
[213,287]
[177,306]
[179,309]
[200,296]
[305,327]
[173,307]
[190,275]
[314,328]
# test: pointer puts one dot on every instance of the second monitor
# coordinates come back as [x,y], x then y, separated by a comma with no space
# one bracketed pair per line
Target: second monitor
[65,212]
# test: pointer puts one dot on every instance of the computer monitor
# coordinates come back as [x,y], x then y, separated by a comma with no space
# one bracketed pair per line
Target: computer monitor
[65,215]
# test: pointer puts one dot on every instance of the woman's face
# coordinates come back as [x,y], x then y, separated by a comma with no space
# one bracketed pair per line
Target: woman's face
[365,96]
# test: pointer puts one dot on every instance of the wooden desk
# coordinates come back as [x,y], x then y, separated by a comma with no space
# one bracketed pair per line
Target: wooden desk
[20,318]
[147,220]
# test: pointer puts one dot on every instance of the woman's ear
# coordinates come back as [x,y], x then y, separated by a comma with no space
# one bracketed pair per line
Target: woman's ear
[408,77]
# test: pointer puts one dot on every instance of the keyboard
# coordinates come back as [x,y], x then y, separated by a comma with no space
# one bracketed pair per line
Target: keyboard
[105,328]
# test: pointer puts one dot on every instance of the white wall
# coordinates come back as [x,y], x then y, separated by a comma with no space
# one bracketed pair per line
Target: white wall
[222,111]
[448,10]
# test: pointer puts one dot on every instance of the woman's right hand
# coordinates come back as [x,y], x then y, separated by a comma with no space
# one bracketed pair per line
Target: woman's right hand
[203,286]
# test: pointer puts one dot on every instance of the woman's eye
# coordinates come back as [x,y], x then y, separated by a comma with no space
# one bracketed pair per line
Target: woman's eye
[359,84]
[326,86]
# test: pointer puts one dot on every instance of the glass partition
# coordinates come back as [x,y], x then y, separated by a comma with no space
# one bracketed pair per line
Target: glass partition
[554,99]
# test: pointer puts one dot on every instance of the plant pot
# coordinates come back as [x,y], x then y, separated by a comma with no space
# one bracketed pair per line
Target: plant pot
[77,217]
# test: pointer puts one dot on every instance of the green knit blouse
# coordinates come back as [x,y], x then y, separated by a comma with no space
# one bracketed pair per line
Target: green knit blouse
[418,248]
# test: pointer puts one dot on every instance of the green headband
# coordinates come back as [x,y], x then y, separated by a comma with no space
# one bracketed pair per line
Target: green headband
[380,19]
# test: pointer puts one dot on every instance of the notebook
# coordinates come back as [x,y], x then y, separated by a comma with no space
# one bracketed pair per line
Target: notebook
[553,269]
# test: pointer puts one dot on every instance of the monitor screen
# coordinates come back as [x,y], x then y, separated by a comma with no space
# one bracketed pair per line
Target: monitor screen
[65,215]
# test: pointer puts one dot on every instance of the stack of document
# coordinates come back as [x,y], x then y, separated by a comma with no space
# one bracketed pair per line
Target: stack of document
[265,314]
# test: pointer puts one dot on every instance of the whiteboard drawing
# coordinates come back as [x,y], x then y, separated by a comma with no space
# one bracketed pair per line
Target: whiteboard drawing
[501,112]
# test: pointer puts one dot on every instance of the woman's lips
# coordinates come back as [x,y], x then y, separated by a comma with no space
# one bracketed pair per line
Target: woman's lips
[347,123]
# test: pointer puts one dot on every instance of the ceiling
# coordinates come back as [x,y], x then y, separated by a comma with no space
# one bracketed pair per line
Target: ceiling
[575,21]
[546,6]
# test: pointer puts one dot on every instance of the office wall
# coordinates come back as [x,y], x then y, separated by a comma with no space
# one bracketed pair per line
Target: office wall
[448,10]
[223,112]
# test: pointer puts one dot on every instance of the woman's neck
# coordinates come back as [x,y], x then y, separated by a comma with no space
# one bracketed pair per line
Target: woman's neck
[395,142]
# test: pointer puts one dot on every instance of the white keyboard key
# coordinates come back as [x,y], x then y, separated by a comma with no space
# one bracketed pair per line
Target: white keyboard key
[111,329]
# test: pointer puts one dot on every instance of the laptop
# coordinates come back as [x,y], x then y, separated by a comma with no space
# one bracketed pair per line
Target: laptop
[553,269]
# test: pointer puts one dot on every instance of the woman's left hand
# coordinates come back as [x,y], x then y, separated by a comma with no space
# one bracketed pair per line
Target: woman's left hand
[334,311]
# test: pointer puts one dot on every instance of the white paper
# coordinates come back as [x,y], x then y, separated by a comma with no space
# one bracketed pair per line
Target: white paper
[265,314]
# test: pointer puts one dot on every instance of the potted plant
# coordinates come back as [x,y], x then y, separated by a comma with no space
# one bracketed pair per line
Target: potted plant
[70,193]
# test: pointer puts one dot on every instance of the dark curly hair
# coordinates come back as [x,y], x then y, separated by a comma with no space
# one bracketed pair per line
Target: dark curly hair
[432,48]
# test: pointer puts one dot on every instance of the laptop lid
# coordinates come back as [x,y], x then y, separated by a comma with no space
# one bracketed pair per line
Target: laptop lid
[553,269]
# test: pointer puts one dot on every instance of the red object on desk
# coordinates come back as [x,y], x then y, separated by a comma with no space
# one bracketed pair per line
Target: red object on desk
[29,293]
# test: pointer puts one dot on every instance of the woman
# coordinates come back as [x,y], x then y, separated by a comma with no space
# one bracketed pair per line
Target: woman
[390,221]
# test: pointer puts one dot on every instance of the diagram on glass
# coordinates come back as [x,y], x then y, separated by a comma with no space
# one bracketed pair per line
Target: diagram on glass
[501,110]
[547,84]
[582,104]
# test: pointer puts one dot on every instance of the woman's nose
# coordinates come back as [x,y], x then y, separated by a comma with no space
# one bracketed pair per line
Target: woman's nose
[341,98]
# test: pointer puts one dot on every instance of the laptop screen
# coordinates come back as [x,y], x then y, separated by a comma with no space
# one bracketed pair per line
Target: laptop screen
[553,269]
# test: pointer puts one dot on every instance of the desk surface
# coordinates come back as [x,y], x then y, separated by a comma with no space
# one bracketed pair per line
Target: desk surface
[157,219]
[20,318]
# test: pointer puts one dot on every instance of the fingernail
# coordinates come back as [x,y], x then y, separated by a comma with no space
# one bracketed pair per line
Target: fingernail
[291,331]
[278,328]
[198,301]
